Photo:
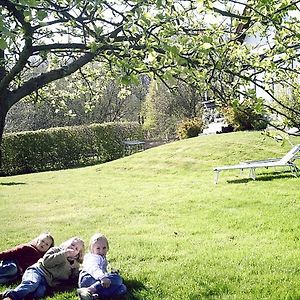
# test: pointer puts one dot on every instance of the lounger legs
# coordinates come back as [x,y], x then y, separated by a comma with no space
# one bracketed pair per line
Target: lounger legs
[294,170]
[216,176]
[252,173]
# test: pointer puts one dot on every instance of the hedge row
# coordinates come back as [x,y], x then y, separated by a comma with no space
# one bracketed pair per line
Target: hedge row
[65,147]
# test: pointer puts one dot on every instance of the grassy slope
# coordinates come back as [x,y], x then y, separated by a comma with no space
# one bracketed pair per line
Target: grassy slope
[173,233]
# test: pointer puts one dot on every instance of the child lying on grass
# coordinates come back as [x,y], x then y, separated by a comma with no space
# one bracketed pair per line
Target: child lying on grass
[14,261]
[94,279]
[58,265]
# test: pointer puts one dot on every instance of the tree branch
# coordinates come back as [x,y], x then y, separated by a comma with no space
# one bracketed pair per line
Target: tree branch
[36,83]
[26,52]
[58,46]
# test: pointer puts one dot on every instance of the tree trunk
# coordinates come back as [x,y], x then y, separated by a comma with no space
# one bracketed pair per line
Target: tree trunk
[3,113]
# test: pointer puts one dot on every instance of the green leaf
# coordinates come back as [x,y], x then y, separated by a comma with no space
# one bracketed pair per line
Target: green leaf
[3,44]
[41,15]
[158,3]
[93,46]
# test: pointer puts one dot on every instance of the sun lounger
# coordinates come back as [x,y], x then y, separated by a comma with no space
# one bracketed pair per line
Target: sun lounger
[286,161]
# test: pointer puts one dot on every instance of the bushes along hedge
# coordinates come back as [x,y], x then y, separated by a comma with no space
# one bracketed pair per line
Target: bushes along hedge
[65,147]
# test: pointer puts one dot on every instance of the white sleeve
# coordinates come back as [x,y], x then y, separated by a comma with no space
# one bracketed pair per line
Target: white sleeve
[94,265]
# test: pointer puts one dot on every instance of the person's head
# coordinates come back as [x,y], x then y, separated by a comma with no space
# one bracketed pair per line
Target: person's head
[75,244]
[99,244]
[43,242]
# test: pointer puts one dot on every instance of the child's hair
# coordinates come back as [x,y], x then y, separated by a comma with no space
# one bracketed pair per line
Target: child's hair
[96,237]
[43,235]
[68,242]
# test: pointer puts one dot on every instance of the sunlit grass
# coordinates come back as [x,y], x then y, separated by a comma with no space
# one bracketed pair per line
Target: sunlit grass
[173,233]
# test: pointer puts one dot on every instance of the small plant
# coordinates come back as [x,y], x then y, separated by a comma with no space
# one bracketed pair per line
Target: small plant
[245,116]
[189,128]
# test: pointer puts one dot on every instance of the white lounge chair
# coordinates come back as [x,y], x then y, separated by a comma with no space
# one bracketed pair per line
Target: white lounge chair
[286,161]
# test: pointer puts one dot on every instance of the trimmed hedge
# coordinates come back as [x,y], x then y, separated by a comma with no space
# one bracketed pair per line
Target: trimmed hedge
[65,147]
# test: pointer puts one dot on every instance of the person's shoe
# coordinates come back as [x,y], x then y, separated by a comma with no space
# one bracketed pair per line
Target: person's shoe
[84,294]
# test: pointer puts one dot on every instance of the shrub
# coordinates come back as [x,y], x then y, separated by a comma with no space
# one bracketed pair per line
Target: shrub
[64,147]
[245,116]
[189,128]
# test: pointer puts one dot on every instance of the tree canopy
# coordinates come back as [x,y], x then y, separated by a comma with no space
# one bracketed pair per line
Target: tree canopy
[236,49]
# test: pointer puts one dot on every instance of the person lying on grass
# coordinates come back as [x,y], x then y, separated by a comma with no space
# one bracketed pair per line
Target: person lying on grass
[58,265]
[94,279]
[14,261]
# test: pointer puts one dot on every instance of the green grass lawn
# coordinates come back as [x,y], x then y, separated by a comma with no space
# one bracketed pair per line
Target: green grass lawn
[173,233]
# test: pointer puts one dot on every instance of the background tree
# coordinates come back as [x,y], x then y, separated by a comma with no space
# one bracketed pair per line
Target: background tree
[290,97]
[84,97]
[194,41]
[65,35]
[164,108]
[261,53]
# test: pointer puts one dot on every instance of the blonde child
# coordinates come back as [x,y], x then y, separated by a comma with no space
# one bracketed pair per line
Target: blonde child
[58,265]
[14,261]
[94,279]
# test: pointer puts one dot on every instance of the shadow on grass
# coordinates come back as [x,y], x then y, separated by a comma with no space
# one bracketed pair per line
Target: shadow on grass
[266,177]
[134,287]
[12,183]
[68,286]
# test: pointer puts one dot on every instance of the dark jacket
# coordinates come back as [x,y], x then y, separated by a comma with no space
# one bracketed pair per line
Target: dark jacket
[25,255]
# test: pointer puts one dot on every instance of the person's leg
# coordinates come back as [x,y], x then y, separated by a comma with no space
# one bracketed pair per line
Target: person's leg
[86,285]
[8,271]
[89,286]
[121,290]
[86,280]
[30,282]
[41,289]
[115,278]
[117,282]
[116,287]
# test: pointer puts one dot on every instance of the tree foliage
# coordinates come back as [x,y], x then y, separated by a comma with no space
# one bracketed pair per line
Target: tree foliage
[163,108]
[190,128]
[225,46]
[60,37]
[260,52]
[246,116]
[84,97]
[290,98]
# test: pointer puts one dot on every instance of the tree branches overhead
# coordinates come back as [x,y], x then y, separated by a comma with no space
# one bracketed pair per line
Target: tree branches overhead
[225,46]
